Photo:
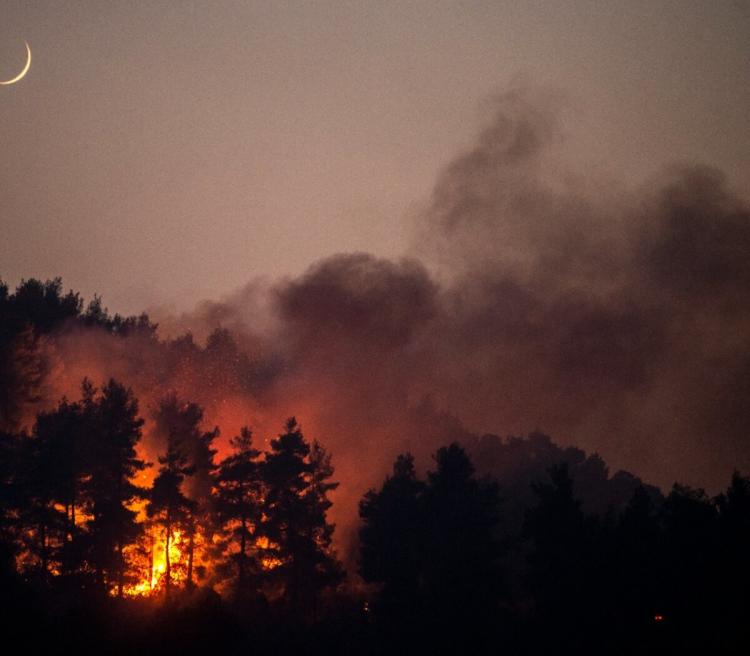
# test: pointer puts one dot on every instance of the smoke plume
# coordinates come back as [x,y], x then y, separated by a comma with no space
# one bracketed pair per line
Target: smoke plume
[534,298]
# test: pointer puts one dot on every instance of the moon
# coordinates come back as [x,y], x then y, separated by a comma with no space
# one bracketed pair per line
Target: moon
[25,70]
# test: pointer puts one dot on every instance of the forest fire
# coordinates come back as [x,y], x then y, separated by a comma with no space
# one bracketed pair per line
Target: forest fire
[154,559]
[103,515]
[145,515]
[188,562]
[506,365]
[265,547]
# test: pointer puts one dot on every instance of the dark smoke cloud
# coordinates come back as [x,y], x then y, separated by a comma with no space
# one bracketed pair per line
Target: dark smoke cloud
[617,320]
[614,319]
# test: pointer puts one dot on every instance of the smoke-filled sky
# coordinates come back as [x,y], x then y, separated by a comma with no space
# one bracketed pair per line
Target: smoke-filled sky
[158,152]
[418,219]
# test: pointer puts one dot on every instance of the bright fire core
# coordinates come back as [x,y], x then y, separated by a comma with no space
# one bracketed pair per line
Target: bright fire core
[153,578]
[190,562]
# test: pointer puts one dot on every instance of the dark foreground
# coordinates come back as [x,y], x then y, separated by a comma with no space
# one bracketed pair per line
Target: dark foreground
[67,623]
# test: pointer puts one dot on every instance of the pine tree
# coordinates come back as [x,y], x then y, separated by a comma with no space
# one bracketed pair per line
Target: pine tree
[461,578]
[65,435]
[114,525]
[239,501]
[200,491]
[24,366]
[295,508]
[168,505]
[42,525]
[180,422]
[324,570]
[391,537]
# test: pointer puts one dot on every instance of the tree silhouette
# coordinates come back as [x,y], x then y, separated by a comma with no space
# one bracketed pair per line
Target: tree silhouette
[391,542]
[183,421]
[433,549]
[29,319]
[9,497]
[732,561]
[323,570]
[168,506]
[556,529]
[12,499]
[239,502]
[41,523]
[111,489]
[637,562]
[294,507]
[690,549]
[23,370]
[65,435]
[390,537]
[461,570]
[203,518]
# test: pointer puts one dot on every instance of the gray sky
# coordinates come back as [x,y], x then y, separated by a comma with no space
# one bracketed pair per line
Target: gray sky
[158,152]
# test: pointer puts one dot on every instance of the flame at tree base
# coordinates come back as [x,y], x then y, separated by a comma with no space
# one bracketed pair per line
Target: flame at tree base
[150,560]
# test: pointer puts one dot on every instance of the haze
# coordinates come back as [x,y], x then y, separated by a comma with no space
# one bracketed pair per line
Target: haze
[158,153]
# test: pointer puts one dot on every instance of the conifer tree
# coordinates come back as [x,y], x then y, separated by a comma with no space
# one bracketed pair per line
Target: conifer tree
[180,422]
[391,537]
[461,577]
[239,501]
[295,506]
[41,523]
[64,434]
[111,487]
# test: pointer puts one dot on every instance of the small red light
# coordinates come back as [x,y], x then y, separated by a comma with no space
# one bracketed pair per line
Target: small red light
[658,618]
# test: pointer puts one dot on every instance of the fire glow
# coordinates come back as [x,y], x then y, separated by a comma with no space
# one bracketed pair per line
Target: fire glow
[153,561]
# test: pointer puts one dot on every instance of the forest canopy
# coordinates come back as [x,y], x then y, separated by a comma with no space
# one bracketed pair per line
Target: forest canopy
[513,541]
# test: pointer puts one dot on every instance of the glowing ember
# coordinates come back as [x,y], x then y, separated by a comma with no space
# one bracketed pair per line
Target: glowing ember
[267,560]
[270,563]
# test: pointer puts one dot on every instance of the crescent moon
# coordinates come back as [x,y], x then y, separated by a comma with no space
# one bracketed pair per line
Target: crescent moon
[25,70]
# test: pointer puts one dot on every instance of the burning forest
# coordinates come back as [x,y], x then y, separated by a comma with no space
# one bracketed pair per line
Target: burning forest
[314,463]
[95,512]
[159,528]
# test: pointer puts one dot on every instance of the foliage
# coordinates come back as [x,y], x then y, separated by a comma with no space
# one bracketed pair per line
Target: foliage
[296,484]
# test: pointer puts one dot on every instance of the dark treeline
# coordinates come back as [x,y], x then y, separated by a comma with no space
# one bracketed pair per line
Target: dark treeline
[510,546]
[37,317]
[28,317]
[658,575]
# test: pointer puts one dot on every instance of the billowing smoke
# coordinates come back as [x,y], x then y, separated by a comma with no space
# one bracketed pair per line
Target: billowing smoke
[617,320]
